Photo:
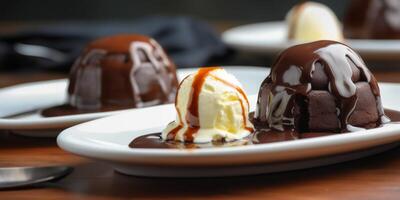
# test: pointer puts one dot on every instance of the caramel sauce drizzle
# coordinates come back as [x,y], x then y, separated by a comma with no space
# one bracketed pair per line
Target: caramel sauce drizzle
[192,115]
[240,90]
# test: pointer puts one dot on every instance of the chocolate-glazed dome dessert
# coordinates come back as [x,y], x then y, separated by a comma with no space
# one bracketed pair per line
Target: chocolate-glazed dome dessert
[319,86]
[373,19]
[118,72]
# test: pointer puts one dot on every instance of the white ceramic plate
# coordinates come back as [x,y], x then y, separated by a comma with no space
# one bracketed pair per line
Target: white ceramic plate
[271,38]
[37,95]
[107,140]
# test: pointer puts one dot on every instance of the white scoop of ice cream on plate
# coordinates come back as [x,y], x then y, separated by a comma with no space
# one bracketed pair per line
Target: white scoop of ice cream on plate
[211,106]
[310,21]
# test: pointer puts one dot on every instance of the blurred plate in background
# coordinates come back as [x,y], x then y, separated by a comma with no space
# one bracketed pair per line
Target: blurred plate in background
[271,38]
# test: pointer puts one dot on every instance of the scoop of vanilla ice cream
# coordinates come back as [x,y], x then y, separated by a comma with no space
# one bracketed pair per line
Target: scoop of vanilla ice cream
[310,21]
[222,109]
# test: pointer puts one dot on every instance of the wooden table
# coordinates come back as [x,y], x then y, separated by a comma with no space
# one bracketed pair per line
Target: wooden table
[375,177]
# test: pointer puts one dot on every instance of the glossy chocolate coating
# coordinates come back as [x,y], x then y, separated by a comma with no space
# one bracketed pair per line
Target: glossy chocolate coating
[319,86]
[118,72]
[373,19]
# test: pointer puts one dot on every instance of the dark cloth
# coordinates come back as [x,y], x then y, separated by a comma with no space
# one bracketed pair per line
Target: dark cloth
[189,42]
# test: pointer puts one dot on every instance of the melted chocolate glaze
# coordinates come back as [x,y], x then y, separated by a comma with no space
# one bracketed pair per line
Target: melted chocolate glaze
[310,74]
[192,114]
[119,72]
[373,19]
[258,137]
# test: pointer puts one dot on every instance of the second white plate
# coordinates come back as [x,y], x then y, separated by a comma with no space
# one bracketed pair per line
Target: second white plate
[271,38]
[33,96]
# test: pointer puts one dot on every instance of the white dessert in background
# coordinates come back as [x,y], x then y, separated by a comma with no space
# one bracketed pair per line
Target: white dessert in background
[211,106]
[310,21]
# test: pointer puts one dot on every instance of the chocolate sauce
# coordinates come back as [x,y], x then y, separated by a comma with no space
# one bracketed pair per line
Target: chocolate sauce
[192,114]
[372,19]
[313,74]
[119,72]
[154,140]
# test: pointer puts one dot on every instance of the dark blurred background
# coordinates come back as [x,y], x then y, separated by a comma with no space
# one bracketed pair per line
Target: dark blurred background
[187,29]
[210,10]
